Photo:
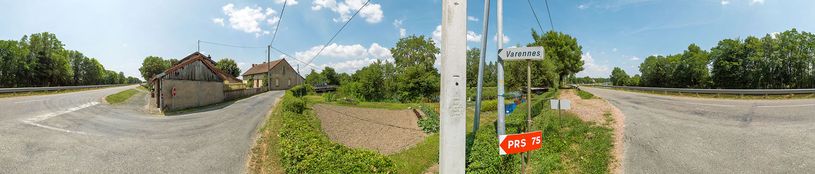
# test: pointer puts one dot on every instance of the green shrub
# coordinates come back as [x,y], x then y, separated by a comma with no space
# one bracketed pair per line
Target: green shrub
[489,105]
[293,104]
[429,123]
[487,93]
[347,101]
[484,157]
[302,90]
[329,97]
[584,95]
[305,149]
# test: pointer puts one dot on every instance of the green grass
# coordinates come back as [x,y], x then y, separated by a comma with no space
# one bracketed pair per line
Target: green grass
[121,96]
[264,157]
[375,105]
[20,94]
[571,145]
[584,95]
[418,158]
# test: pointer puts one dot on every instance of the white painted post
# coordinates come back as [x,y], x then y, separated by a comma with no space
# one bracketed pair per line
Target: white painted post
[501,126]
[453,86]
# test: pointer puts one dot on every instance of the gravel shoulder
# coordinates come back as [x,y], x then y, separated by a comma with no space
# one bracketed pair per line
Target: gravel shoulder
[381,130]
[594,110]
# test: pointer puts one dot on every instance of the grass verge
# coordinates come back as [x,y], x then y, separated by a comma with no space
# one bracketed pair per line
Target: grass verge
[584,95]
[21,94]
[418,158]
[120,96]
[264,157]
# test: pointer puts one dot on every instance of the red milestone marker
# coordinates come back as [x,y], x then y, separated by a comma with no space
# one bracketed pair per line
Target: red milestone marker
[173,91]
[517,143]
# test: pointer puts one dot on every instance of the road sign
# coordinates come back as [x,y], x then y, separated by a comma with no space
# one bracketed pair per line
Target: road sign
[517,143]
[521,53]
[564,104]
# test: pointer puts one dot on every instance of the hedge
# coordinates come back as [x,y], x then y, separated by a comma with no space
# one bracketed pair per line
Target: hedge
[489,105]
[305,149]
[430,123]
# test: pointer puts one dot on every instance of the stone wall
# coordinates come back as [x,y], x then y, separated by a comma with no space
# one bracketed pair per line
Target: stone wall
[190,93]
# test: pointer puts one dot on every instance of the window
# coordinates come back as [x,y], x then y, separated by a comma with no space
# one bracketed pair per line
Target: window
[289,83]
[276,82]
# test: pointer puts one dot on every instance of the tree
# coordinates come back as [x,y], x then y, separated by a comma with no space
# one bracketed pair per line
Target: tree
[315,79]
[330,76]
[692,71]
[52,67]
[563,50]
[619,77]
[229,66]
[14,66]
[414,57]
[153,65]
[473,58]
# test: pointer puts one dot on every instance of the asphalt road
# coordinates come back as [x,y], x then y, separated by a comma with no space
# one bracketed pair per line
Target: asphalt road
[77,133]
[667,134]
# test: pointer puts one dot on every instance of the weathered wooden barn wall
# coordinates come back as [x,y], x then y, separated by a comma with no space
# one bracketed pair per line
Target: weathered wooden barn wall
[194,71]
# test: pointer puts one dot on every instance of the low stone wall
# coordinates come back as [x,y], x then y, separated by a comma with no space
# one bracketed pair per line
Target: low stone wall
[235,94]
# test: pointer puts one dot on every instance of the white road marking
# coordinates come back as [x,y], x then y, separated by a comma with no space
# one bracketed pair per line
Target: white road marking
[785,106]
[27,101]
[33,120]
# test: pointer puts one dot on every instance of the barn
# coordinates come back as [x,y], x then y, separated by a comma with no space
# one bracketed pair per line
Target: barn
[283,76]
[194,81]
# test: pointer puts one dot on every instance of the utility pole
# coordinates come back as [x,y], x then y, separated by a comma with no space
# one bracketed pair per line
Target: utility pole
[268,68]
[484,33]
[199,46]
[453,104]
[500,70]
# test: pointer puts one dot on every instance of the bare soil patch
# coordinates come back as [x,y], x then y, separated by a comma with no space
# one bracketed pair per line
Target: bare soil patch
[381,130]
[595,110]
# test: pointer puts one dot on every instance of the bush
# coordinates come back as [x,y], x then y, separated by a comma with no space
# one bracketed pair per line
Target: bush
[489,105]
[584,95]
[302,90]
[305,149]
[487,93]
[329,97]
[293,104]
[429,123]
[483,156]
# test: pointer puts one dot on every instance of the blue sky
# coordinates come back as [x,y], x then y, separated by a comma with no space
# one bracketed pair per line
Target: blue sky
[613,33]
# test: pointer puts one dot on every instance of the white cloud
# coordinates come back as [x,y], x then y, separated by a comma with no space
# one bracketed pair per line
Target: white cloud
[472,18]
[635,58]
[590,68]
[219,21]
[248,19]
[752,2]
[291,2]
[372,13]
[471,36]
[614,50]
[583,6]
[495,38]
[398,25]
[354,51]
[725,2]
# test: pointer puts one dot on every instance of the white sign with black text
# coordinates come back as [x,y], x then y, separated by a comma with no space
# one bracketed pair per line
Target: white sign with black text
[521,53]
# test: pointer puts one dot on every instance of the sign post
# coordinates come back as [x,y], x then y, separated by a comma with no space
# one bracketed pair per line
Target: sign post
[528,54]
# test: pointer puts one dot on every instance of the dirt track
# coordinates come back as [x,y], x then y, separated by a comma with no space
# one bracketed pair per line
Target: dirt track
[381,130]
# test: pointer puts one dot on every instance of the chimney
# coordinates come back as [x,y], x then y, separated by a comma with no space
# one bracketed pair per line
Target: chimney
[253,65]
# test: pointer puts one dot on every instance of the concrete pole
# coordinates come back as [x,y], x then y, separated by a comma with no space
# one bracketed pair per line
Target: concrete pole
[484,33]
[268,68]
[453,87]
[500,70]
[199,46]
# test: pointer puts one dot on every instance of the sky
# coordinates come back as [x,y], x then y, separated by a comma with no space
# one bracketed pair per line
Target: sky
[612,33]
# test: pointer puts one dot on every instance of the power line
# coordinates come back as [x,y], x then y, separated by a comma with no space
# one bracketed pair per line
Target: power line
[338,32]
[535,14]
[549,12]
[292,57]
[278,22]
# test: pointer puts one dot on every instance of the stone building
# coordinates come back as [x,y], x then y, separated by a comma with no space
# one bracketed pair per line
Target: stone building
[283,76]
[194,81]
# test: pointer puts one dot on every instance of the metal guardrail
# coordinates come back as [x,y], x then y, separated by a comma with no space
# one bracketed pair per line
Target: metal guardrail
[54,88]
[720,91]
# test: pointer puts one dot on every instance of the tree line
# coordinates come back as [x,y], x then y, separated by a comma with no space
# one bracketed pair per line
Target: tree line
[41,60]
[411,76]
[783,60]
